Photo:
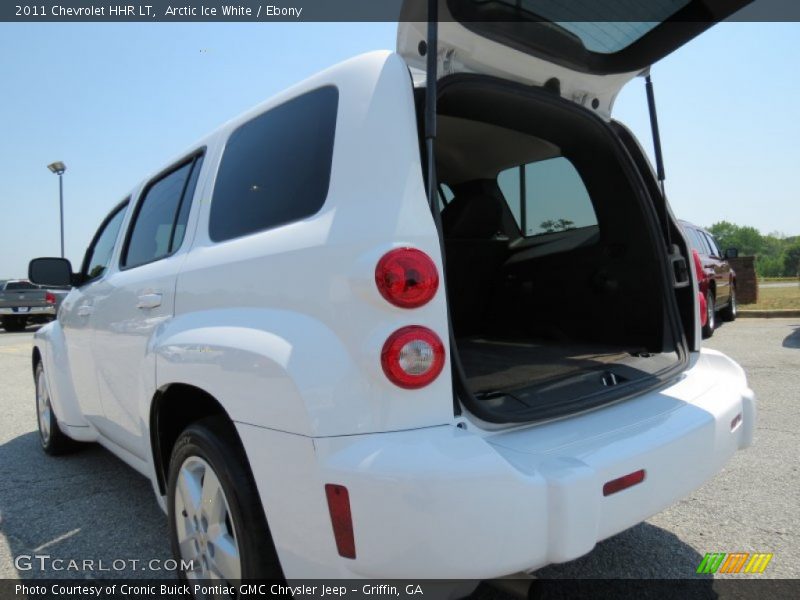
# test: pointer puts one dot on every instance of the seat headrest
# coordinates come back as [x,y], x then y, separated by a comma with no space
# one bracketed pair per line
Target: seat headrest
[472,213]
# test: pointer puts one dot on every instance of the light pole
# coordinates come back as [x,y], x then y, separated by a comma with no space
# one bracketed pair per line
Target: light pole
[58,168]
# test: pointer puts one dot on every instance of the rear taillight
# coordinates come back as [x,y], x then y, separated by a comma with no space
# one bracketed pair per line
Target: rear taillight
[412,357]
[702,304]
[698,267]
[407,277]
[341,519]
[50,297]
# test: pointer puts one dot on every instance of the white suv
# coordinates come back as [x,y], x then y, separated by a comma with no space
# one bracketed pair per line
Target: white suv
[323,377]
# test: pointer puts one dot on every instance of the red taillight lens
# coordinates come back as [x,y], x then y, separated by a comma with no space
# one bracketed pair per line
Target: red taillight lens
[624,482]
[702,306]
[407,277]
[412,357]
[49,297]
[341,519]
[698,267]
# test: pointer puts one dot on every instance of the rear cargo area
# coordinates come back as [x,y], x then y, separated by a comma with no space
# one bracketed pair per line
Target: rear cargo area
[553,262]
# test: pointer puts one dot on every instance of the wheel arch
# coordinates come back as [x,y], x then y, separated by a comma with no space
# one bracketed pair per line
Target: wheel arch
[174,407]
[36,358]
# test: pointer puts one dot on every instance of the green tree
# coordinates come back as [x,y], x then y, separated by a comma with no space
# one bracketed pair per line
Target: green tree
[769,266]
[748,240]
[791,260]
[550,225]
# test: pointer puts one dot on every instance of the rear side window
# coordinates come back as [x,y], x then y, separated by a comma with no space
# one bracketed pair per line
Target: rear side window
[276,168]
[98,257]
[697,241]
[547,196]
[712,243]
[159,224]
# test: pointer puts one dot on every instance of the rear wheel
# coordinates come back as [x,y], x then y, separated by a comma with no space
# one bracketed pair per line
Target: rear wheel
[14,324]
[729,312]
[53,440]
[711,315]
[217,524]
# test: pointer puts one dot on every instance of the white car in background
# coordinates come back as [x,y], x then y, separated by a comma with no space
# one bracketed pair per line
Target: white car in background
[323,377]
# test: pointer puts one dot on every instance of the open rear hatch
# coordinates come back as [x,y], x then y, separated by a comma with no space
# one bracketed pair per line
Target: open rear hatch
[585,51]
[557,266]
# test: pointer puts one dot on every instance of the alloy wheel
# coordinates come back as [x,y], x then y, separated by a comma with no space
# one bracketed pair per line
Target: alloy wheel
[206,535]
[43,408]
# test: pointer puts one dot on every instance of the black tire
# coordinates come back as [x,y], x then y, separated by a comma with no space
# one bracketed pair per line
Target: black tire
[730,312]
[53,440]
[15,324]
[213,443]
[711,312]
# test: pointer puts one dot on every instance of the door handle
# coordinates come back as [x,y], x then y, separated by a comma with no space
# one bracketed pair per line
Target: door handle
[84,310]
[150,300]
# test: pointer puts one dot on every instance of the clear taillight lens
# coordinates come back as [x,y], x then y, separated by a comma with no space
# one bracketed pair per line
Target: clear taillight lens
[412,357]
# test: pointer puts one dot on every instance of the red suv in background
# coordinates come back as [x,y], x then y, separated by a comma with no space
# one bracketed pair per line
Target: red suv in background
[716,278]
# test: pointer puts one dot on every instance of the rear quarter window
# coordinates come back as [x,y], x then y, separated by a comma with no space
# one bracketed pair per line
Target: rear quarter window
[547,196]
[276,168]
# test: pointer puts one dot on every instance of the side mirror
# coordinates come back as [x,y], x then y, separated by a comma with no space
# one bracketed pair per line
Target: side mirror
[732,253]
[56,272]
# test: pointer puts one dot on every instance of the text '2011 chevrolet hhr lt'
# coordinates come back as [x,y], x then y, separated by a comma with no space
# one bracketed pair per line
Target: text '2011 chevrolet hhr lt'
[335,357]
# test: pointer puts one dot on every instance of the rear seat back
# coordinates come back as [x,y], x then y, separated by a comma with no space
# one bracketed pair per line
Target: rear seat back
[475,246]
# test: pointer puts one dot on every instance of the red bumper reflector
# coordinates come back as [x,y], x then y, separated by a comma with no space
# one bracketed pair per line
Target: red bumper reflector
[624,482]
[342,521]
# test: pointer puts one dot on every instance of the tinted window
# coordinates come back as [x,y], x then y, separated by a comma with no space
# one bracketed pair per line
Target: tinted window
[554,197]
[99,255]
[694,241]
[276,168]
[697,240]
[509,182]
[712,243]
[157,229]
[611,31]
[445,195]
[186,205]
[21,285]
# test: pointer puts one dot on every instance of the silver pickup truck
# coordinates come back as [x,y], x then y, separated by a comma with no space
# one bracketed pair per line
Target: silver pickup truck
[23,303]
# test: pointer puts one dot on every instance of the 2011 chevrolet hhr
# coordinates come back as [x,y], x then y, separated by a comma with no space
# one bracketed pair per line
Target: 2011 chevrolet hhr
[341,347]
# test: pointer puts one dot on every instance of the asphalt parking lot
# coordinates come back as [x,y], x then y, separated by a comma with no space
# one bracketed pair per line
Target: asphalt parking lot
[91,506]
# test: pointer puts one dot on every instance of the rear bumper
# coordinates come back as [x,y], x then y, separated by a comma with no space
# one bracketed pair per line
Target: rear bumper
[460,504]
[31,311]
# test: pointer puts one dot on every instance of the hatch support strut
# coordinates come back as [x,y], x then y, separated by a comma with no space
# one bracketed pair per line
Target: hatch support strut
[680,271]
[460,390]
[430,99]
[651,106]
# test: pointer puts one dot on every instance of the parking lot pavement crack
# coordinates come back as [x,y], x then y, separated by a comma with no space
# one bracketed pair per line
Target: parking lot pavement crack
[774,429]
[15,483]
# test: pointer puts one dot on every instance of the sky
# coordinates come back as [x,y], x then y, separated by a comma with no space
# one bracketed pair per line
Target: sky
[116,101]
